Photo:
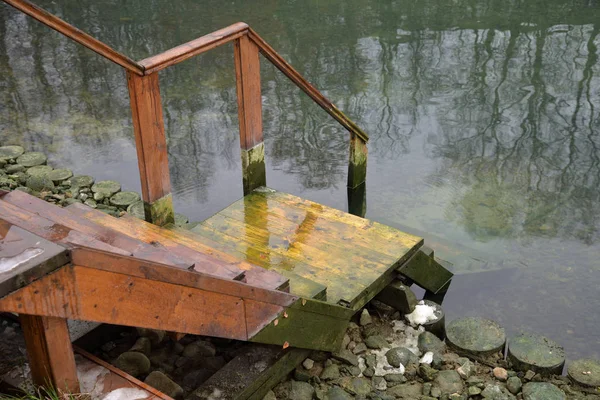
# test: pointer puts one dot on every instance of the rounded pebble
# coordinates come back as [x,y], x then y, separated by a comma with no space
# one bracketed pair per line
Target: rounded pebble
[39,170]
[10,152]
[124,199]
[542,391]
[60,174]
[82,181]
[108,188]
[32,159]
[585,372]
[475,336]
[529,351]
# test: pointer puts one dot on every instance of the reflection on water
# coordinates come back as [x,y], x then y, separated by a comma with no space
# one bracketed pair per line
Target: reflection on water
[484,118]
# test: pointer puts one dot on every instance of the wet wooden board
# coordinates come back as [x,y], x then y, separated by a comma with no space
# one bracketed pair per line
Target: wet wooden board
[25,257]
[299,286]
[349,255]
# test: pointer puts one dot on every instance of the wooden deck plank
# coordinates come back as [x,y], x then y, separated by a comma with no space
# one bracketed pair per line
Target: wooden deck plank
[344,274]
[203,262]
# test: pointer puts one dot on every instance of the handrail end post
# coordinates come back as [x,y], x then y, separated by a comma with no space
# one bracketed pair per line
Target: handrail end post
[357,164]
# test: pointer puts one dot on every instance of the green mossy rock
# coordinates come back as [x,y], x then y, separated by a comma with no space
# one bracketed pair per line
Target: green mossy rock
[40,183]
[82,181]
[32,159]
[11,152]
[137,210]
[124,199]
[529,351]
[60,174]
[14,168]
[39,170]
[585,372]
[542,391]
[181,220]
[107,188]
[475,336]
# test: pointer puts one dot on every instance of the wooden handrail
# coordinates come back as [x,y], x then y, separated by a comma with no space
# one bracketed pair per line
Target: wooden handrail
[293,75]
[193,48]
[76,34]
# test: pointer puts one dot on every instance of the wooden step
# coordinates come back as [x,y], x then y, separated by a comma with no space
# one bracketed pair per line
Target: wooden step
[299,286]
[353,257]
[182,246]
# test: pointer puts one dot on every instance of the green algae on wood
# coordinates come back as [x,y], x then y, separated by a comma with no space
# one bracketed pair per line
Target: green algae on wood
[137,210]
[160,212]
[253,168]
[475,336]
[585,372]
[357,165]
[32,159]
[537,353]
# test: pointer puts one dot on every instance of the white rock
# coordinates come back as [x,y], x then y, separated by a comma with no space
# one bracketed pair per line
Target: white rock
[427,358]
[422,314]
[308,363]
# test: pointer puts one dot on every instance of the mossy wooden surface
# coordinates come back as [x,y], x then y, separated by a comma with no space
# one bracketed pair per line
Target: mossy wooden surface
[426,272]
[353,257]
[161,211]
[357,166]
[475,336]
[253,168]
[537,353]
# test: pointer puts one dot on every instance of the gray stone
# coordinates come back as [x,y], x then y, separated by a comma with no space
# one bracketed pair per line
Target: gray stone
[269,396]
[156,336]
[395,378]
[196,378]
[529,351]
[466,369]
[14,168]
[355,386]
[39,170]
[199,348]
[542,391]
[330,372]
[142,345]
[32,159]
[476,336]
[585,372]
[376,342]
[429,342]
[427,373]
[399,296]
[406,391]
[401,355]
[379,383]
[308,363]
[449,382]
[107,188]
[365,318]
[10,152]
[359,348]
[513,384]
[301,391]
[133,363]
[436,392]
[40,183]
[336,393]
[124,199]
[161,382]
[346,356]
[473,391]
[60,174]
[82,181]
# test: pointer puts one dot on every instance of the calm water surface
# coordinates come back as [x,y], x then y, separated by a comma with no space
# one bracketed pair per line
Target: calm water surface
[484,118]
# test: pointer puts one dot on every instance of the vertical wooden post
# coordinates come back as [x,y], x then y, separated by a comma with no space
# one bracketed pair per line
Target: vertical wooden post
[50,353]
[247,73]
[357,200]
[357,166]
[151,146]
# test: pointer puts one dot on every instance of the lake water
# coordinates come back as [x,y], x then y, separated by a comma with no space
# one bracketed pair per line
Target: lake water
[483,115]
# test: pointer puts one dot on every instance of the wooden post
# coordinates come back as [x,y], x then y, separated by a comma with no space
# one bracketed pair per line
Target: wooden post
[357,166]
[247,73]
[151,146]
[357,200]
[50,353]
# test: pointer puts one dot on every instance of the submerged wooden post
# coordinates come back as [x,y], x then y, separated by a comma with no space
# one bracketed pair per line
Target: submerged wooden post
[247,73]
[151,146]
[50,353]
[357,166]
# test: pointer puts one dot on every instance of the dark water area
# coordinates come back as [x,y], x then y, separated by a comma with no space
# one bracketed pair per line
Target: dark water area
[483,115]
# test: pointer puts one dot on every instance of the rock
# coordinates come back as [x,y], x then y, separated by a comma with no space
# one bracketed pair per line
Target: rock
[133,363]
[301,391]
[542,391]
[376,342]
[336,393]
[142,345]
[196,378]
[330,372]
[82,181]
[124,199]
[14,168]
[395,378]
[40,183]
[359,348]
[107,188]
[401,355]
[429,342]
[269,396]
[379,383]
[301,374]
[399,296]
[308,363]
[449,382]
[199,348]
[180,220]
[529,351]
[346,356]
[90,203]
[156,336]
[426,389]
[355,386]
[60,174]
[475,336]
[500,373]
[473,391]
[529,375]
[436,392]
[365,318]
[161,382]
[406,391]
[585,372]
[427,373]
[10,152]
[513,384]
[24,189]
[466,369]
[32,159]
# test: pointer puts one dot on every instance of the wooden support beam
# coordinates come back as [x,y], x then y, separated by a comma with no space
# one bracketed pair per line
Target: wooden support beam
[151,146]
[247,73]
[357,165]
[50,353]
